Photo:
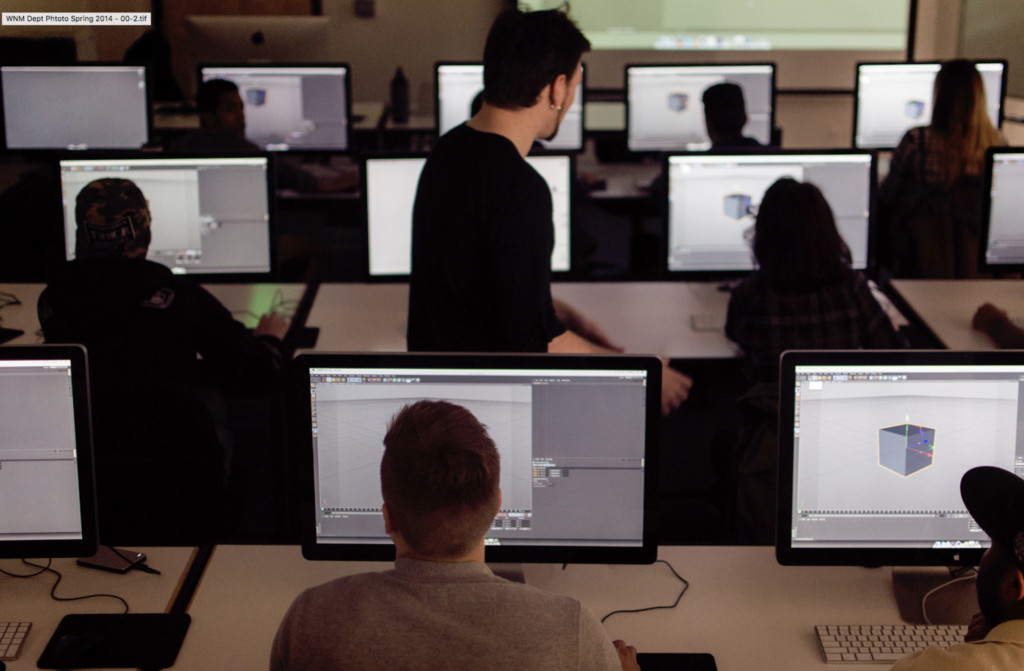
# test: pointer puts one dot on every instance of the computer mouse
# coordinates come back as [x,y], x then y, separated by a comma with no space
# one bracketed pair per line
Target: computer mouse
[70,648]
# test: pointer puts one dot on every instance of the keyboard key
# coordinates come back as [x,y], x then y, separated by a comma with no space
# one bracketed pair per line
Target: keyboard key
[883,643]
[12,635]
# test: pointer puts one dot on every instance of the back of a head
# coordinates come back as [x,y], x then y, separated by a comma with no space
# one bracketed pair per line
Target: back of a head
[209,94]
[526,51]
[725,111]
[796,242]
[961,116]
[440,478]
[113,220]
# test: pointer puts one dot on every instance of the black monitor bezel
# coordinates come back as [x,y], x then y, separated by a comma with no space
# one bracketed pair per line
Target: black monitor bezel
[281,65]
[702,65]
[986,214]
[856,93]
[364,191]
[147,76]
[785,553]
[212,278]
[730,274]
[87,544]
[303,456]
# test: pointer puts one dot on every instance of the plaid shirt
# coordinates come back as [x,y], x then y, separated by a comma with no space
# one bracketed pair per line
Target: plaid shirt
[765,322]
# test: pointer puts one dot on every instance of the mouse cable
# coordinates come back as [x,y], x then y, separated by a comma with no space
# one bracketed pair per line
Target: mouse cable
[686,586]
[53,595]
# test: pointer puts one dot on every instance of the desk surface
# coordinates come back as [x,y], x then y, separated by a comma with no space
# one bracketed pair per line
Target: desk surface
[644,317]
[947,306]
[742,607]
[29,598]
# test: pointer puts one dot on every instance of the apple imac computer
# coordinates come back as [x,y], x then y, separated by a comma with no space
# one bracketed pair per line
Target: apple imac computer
[576,435]
[46,464]
[665,108]
[712,202]
[75,107]
[1002,226]
[291,107]
[892,98]
[456,85]
[389,188]
[211,217]
[872,446]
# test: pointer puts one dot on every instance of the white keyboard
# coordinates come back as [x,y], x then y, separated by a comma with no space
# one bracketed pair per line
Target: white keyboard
[883,642]
[12,635]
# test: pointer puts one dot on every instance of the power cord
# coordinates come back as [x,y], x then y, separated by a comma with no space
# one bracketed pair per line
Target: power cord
[686,586]
[960,575]
[53,590]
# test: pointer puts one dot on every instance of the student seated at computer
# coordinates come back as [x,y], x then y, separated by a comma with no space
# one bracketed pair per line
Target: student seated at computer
[995,638]
[441,607]
[222,130]
[725,115]
[930,202]
[803,295]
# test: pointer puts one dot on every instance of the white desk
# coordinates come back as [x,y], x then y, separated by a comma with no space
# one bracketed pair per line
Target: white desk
[742,607]
[947,306]
[644,317]
[29,598]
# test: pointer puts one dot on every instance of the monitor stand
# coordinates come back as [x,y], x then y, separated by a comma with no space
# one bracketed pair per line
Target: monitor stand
[953,604]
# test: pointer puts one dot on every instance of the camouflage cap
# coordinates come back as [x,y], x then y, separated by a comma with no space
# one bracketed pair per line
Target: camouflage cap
[113,219]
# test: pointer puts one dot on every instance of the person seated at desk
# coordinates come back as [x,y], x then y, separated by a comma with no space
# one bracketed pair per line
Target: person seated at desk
[930,202]
[995,638]
[222,130]
[441,607]
[803,295]
[482,231]
[725,115]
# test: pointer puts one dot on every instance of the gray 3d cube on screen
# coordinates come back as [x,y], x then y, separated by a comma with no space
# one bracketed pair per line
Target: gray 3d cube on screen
[736,205]
[256,97]
[678,102]
[914,109]
[905,449]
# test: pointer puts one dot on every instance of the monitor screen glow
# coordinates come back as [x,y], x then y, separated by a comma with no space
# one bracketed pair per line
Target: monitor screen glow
[574,435]
[75,107]
[1002,223]
[210,216]
[713,200]
[665,111]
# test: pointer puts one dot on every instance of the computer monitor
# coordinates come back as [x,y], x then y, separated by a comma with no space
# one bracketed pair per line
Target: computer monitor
[1002,223]
[389,188]
[457,84]
[892,98]
[46,463]
[211,217]
[577,436]
[872,446]
[712,201]
[75,107]
[291,107]
[665,108]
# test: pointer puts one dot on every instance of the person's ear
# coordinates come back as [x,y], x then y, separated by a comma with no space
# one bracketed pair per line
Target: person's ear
[556,92]
[1012,587]
[388,528]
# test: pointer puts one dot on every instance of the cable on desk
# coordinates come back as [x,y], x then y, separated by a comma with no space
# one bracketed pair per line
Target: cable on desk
[958,576]
[134,565]
[53,590]
[686,586]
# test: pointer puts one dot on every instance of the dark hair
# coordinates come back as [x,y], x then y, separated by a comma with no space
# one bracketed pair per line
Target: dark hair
[724,109]
[526,51]
[440,478]
[209,94]
[796,242]
[960,116]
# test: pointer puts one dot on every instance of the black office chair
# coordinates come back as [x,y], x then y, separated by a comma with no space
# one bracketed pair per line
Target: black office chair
[161,474]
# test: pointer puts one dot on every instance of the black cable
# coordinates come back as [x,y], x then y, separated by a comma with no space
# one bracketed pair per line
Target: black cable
[53,590]
[140,565]
[686,586]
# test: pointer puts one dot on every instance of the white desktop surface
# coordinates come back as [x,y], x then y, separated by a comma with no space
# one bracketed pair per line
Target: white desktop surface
[742,607]
[947,306]
[644,317]
[29,598]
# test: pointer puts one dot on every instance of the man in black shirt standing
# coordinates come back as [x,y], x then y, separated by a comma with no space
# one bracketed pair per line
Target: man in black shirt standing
[482,226]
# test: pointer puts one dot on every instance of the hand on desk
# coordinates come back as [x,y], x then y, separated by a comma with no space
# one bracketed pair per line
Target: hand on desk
[585,328]
[675,387]
[627,655]
[997,324]
[271,325]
